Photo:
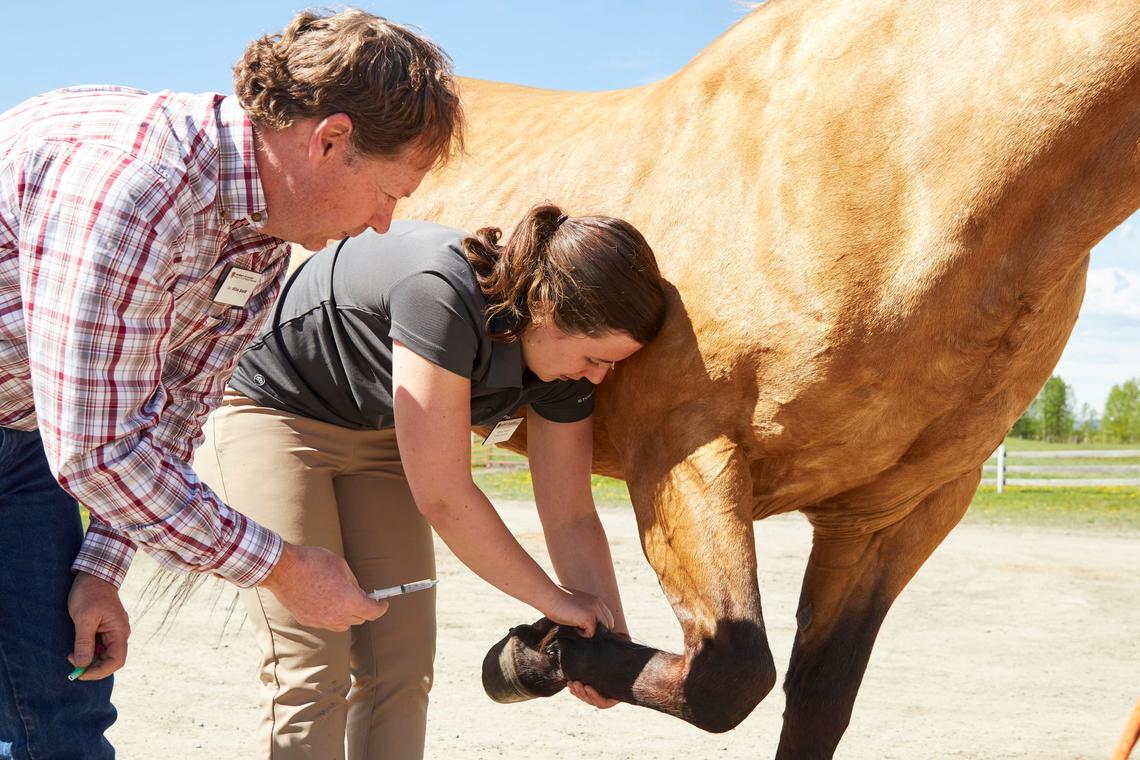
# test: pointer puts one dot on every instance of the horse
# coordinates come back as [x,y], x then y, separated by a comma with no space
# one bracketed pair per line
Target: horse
[875,221]
[1130,736]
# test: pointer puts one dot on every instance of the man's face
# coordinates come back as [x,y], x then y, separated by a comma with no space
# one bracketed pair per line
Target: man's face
[347,197]
[333,192]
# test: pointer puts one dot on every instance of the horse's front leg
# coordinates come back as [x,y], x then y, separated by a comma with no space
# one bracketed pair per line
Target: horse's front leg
[849,585]
[696,530]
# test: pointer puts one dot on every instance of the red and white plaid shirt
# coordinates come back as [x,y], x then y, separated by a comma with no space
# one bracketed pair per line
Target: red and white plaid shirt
[119,212]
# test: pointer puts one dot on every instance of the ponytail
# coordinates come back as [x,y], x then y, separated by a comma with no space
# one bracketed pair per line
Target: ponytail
[589,274]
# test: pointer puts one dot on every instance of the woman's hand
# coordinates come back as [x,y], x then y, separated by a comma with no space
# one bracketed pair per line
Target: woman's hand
[595,611]
[590,696]
[579,609]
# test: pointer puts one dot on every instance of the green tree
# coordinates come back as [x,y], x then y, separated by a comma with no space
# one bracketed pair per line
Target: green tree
[1056,410]
[1028,425]
[1085,430]
[1122,412]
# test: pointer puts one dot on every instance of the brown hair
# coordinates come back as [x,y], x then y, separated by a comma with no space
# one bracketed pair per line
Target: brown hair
[590,274]
[396,86]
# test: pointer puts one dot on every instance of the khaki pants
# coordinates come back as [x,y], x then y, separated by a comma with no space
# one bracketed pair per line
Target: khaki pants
[324,485]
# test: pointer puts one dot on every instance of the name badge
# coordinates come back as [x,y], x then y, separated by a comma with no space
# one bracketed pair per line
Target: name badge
[503,431]
[236,286]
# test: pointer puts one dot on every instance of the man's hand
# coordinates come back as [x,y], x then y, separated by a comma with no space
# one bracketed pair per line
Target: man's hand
[95,609]
[320,590]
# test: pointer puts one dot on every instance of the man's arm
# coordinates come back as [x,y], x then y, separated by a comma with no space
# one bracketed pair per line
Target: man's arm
[98,235]
[194,375]
[97,275]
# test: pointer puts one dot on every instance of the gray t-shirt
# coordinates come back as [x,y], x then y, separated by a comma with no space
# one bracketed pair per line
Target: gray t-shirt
[327,350]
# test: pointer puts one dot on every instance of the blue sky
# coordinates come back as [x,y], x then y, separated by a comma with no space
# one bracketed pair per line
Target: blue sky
[585,45]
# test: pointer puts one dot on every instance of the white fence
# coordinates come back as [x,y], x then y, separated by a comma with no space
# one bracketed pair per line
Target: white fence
[1008,466]
[494,456]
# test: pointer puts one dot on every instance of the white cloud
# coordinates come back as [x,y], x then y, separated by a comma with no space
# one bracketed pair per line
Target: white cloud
[1113,292]
[1121,247]
[1092,364]
[1105,346]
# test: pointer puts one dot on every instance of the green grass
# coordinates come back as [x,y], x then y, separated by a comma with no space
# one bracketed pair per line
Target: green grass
[1100,508]
[1115,509]
[516,485]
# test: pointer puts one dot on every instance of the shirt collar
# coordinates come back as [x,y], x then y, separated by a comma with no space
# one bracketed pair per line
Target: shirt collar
[239,187]
[505,369]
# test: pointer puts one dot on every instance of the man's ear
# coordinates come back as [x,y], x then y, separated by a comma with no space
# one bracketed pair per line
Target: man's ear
[331,137]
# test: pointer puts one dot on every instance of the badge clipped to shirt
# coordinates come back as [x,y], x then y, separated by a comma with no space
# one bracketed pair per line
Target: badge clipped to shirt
[502,431]
[235,286]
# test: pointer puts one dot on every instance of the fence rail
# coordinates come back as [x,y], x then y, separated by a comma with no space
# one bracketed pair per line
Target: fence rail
[1003,467]
[1076,454]
[495,456]
[1003,472]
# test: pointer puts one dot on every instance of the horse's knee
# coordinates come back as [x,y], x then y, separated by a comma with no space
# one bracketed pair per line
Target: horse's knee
[728,675]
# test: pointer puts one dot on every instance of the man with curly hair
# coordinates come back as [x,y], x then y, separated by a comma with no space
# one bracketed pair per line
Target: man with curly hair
[143,238]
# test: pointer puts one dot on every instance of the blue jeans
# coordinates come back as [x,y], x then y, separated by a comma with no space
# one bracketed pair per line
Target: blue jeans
[42,715]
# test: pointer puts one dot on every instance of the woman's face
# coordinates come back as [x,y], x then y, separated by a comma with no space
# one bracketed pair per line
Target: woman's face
[553,354]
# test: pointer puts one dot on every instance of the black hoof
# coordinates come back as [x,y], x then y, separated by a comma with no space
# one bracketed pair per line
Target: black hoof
[524,664]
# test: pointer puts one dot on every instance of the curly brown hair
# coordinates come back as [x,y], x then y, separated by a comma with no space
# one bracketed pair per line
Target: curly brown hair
[396,86]
[590,274]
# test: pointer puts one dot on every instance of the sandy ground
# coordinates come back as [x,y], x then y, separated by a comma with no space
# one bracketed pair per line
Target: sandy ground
[1010,643]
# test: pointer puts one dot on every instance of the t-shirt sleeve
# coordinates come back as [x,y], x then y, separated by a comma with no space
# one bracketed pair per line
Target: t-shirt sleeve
[565,401]
[429,317]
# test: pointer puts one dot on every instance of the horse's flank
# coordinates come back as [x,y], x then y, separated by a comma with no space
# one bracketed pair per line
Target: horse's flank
[877,218]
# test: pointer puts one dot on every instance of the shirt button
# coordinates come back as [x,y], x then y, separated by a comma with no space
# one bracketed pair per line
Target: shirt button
[255,216]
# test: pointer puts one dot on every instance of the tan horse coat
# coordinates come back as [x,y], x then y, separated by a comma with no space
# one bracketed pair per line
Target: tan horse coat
[877,217]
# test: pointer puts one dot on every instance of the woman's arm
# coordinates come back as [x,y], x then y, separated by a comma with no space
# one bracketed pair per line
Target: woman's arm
[433,418]
[560,457]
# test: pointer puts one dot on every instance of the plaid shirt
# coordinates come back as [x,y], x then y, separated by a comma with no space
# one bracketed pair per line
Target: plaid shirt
[120,211]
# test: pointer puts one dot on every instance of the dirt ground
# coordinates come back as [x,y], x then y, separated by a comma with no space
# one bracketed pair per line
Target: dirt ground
[1010,643]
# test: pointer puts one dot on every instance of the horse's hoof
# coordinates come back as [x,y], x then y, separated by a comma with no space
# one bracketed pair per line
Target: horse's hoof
[524,664]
